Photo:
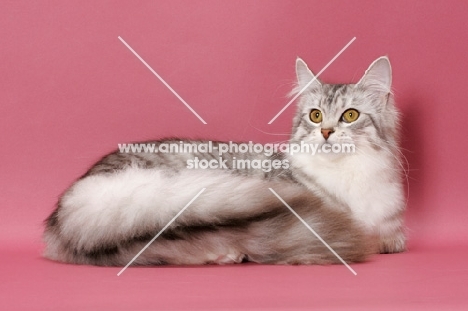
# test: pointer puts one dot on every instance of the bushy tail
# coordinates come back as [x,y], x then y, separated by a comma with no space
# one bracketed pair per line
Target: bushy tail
[107,219]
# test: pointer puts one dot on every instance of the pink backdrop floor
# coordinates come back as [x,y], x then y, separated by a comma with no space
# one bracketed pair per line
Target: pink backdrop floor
[422,279]
[70,91]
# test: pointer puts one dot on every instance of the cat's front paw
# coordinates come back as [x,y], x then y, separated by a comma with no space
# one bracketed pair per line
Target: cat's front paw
[392,244]
[229,259]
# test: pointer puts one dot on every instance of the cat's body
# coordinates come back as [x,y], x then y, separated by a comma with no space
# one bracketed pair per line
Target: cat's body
[123,201]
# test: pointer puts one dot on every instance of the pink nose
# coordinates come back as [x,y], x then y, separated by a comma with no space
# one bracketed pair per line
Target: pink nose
[327,132]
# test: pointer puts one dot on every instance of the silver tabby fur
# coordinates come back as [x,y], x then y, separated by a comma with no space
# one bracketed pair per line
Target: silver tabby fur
[355,202]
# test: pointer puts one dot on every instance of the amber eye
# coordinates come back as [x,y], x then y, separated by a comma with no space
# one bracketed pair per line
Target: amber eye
[350,115]
[316,116]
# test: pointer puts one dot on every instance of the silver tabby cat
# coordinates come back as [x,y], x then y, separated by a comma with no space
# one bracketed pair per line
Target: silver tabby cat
[354,201]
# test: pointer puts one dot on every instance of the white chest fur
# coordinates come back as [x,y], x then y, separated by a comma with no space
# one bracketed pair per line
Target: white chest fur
[366,183]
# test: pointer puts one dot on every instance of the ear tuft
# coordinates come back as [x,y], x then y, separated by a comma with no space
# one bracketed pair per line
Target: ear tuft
[378,76]
[304,75]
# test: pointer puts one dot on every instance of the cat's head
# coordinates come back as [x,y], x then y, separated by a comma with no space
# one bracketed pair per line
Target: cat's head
[362,114]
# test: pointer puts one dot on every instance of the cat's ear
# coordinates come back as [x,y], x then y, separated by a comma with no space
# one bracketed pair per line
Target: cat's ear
[305,76]
[378,76]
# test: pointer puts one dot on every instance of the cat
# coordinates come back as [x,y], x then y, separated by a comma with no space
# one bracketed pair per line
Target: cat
[353,201]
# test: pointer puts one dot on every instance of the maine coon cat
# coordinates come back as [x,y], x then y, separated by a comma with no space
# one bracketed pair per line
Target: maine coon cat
[354,201]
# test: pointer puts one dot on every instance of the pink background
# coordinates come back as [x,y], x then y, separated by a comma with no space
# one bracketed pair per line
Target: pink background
[71,91]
